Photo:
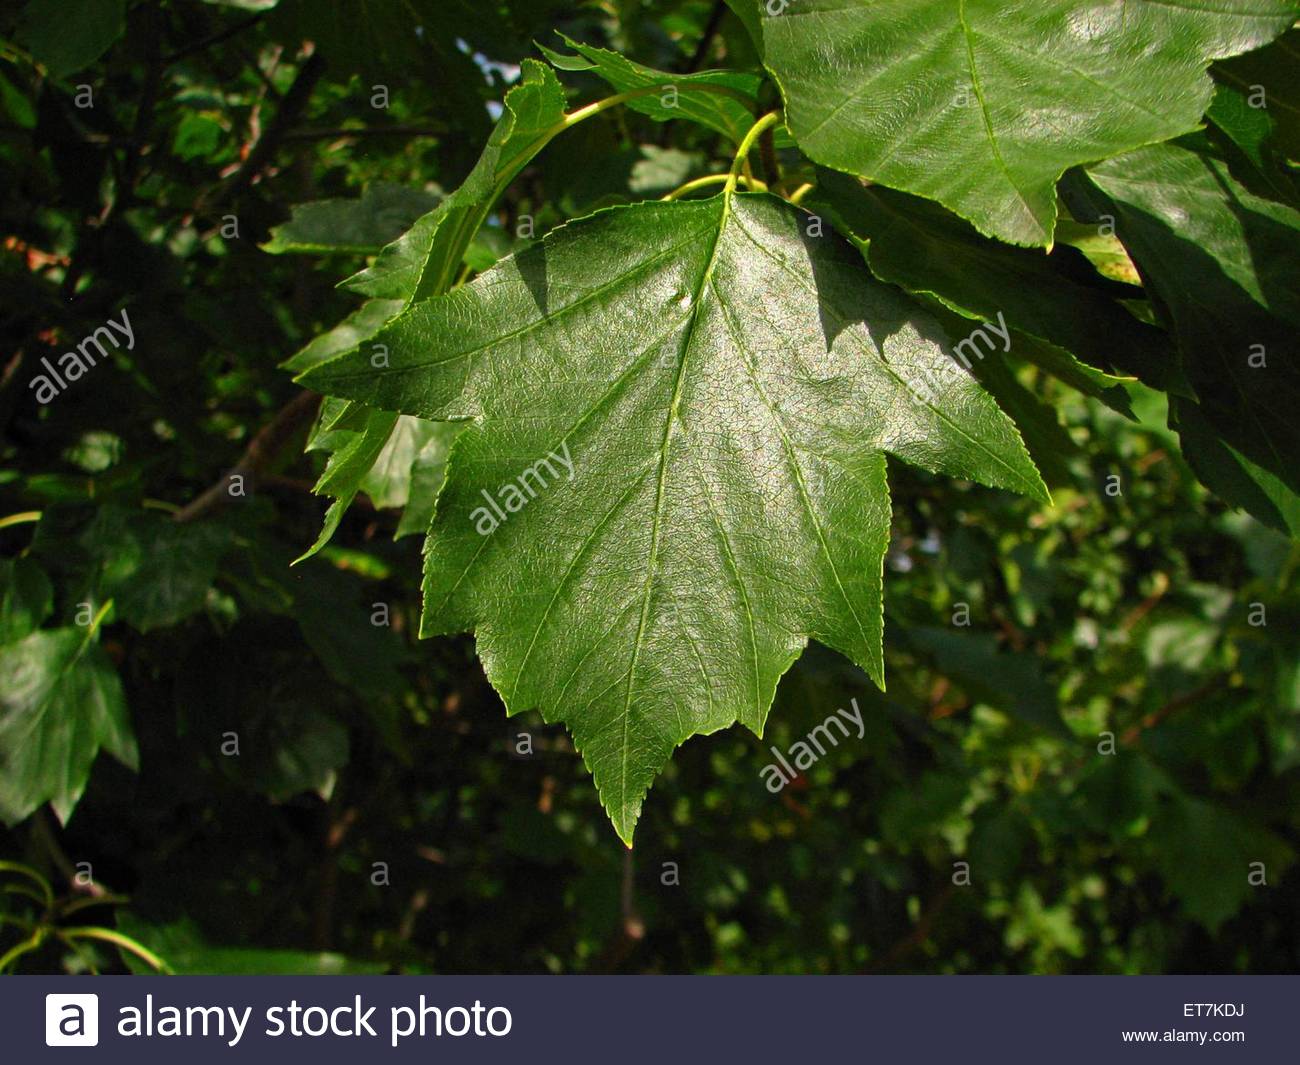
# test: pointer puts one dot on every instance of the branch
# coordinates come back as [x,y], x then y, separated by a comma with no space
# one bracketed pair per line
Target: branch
[215,38]
[291,109]
[310,134]
[145,110]
[45,834]
[710,28]
[260,453]
[1179,702]
[919,933]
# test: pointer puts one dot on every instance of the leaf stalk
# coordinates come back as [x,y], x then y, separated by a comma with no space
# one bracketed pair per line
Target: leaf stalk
[742,153]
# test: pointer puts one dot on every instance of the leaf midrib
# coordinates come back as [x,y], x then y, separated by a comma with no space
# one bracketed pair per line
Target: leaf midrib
[673,407]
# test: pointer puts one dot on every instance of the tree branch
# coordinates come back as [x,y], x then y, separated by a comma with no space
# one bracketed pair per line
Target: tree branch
[710,28]
[1178,702]
[918,935]
[214,38]
[291,109]
[260,453]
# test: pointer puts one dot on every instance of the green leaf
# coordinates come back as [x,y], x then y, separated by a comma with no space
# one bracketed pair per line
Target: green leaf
[926,249]
[360,325]
[273,701]
[428,472]
[26,598]
[1250,131]
[983,105]
[660,170]
[730,111]
[406,469]
[157,572]
[1100,248]
[359,227]
[1269,80]
[163,572]
[388,481]
[425,259]
[747,11]
[1230,475]
[1013,683]
[346,469]
[67,35]
[1048,443]
[1205,856]
[15,103]
[413,453]
[1247,127]
[682,411]
[1222,263]
[60,703]
[355,651]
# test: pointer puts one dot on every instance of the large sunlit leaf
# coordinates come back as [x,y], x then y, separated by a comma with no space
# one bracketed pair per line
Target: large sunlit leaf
[983,104]
[674,471]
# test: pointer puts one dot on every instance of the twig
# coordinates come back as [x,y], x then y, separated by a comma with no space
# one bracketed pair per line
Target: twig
[44,833]
[215,38]
[710,28]
[309,134]
[291,109]
[144,113]
[767,157]
[919,933]
[1162,585]
[631,929]
[336,829]
[260,453]
[1179,702]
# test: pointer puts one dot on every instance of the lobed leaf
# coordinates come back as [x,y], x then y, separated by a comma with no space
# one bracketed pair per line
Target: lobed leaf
[61,703]
[673,473]
[983,104]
